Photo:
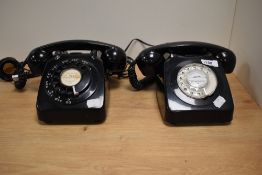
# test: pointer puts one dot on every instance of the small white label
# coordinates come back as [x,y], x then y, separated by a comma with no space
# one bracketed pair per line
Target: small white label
[70,77]
[95,103]
[219,101]
[213,63]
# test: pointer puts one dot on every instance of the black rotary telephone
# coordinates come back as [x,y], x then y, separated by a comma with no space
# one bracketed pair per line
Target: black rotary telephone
[191,78]
[72,88]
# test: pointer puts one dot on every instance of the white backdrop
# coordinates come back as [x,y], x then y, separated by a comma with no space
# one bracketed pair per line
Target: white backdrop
[246,42]
[30,23]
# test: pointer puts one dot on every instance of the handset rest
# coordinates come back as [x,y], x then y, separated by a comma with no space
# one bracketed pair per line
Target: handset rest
[114,57]
[153,57]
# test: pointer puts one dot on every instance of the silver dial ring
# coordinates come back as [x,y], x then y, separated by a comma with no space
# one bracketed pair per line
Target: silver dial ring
[197,80]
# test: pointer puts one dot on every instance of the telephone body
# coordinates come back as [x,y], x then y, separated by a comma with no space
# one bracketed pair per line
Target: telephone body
[72,88]
[192,85]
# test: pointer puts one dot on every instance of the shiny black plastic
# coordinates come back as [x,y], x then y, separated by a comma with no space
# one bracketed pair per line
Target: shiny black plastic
[57,104]
[192,111]
[165,60]
[9,60]
[186,48]
[62,106]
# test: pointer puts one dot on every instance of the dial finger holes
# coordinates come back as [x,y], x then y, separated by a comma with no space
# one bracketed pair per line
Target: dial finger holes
[83,68]
[197,80]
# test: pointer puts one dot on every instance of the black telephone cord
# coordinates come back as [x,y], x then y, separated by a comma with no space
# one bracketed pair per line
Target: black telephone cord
[139,40]
[138,84]
[131,72]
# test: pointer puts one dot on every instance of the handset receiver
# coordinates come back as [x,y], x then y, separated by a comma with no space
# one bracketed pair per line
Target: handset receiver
[113,56]
[224,55]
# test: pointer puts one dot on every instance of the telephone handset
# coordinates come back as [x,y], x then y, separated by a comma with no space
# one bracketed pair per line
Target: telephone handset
[72,88]
[12,70]
[191,78]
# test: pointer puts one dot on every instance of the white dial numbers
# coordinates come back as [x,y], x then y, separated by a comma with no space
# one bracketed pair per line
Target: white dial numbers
[197,80]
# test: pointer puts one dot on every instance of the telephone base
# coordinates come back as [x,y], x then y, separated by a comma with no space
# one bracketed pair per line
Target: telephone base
[196,116]
[78,116]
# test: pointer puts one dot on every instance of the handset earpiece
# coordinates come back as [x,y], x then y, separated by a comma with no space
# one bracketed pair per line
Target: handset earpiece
[114,60]
[37,59]
[150,63]
[228,60]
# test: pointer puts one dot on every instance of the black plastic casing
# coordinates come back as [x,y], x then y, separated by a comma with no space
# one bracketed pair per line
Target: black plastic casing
[203,111]
[52,112]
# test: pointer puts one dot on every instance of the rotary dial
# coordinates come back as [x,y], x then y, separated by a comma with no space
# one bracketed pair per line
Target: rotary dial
[197,80]
[70,81]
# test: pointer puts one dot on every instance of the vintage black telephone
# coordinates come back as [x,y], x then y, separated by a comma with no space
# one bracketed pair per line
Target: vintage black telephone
[72,88]
[191,78]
